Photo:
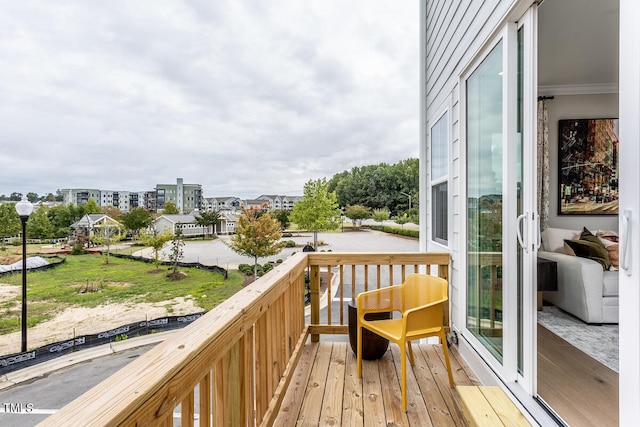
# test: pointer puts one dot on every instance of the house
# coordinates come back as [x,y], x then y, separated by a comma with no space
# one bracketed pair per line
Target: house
[280,202]
[187,223]
[220,203]
[497,78]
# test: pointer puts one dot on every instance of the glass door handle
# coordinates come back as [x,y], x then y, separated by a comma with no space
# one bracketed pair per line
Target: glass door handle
[519,232]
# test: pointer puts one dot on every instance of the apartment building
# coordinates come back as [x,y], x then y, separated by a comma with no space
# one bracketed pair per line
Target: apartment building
[186,197]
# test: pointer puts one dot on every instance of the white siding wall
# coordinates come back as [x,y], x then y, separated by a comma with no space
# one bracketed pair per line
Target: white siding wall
[453,33]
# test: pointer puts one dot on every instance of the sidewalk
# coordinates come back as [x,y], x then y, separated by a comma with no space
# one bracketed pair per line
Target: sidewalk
[41,369]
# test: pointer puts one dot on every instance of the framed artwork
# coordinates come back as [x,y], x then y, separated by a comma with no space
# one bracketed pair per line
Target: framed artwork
[588,167]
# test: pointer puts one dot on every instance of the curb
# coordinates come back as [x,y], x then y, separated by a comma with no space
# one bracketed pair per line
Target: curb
[42,369]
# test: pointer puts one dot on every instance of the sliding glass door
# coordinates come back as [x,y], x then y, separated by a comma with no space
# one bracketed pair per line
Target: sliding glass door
[485,146]
[500,204]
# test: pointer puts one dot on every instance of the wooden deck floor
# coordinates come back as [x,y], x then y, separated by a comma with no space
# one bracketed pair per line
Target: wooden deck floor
[326,391]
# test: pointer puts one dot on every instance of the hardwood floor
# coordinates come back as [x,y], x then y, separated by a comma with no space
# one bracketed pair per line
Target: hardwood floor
[326,391]
[580,389]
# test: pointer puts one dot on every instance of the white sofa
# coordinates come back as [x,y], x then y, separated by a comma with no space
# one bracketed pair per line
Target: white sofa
[584,288]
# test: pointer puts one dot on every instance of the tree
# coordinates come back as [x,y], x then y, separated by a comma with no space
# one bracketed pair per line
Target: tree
[9,222]
[156,241]
[381,215]
[208,220]
[61,218]
[39,226]
[257,235]
[112,212]
[282,216]
[107,235]
[318,210]
[135,220]
[402,220]
[33,197]
[91,207]
[356,213]
[16,197]
[176,253]
[378,186]
[170,208]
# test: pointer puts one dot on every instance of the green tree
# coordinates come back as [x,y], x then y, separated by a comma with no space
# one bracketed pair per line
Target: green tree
[33,197]
[9,222]
[156,242]
[207,220]
[91,207]
[107,235]
[356,213]
[176,253]
[402,220]
[61,218]
[378,186]
[135,220]
[318,210]
[39,226]
[381,215]
[170,208]
[16,197]
[257,235]
[282,216]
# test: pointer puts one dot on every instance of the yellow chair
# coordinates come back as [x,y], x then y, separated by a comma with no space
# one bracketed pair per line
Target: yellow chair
[421,300]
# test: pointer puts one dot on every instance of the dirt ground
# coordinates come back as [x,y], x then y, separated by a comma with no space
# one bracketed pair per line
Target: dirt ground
[88,320]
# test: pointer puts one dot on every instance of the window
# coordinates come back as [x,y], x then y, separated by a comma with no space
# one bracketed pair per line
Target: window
[439,172]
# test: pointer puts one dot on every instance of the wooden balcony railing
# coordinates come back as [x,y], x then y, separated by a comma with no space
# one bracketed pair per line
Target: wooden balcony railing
[233,365]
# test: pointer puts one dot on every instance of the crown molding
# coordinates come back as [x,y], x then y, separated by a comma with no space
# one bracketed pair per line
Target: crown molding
[593,89]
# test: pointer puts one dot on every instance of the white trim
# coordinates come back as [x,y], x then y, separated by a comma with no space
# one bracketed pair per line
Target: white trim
[592,89]
[487,49]
[629,111]
[528,381]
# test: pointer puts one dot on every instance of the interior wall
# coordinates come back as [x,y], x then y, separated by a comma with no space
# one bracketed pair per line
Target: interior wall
[576,107]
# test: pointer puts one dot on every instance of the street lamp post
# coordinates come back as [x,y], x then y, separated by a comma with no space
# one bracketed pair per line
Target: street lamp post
[409,196]
[24,209]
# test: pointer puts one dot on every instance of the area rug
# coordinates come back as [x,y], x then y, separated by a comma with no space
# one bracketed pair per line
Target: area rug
[598,341]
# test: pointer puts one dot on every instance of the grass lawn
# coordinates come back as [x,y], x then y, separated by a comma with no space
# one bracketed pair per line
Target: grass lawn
[84,280]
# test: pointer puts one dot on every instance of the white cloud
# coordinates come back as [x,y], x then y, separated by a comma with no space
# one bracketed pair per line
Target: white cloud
[243,97]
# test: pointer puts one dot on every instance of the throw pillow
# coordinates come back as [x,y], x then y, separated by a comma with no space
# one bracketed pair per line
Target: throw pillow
[589,237]
[553,238]
[613,255]
[591,250]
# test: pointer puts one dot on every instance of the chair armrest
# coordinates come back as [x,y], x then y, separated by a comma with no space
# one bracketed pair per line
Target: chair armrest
[429,314]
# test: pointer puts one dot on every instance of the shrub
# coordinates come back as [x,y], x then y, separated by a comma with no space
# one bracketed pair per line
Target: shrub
[287,234]
[279,261]
[78,249]
[395,230]
[246,269]
[267,267]
[289,244]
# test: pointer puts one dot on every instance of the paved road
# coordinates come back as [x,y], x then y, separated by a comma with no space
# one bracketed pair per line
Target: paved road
[39,397]
[216,252]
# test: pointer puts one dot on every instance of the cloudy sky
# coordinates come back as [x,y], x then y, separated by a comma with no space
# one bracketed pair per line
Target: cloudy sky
[242,96]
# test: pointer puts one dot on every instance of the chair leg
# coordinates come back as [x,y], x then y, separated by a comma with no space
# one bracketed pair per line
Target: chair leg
[403,365]
[359,351]
[445,350]
[410,352]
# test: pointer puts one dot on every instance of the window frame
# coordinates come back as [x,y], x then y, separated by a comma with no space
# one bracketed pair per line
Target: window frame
[435,182]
